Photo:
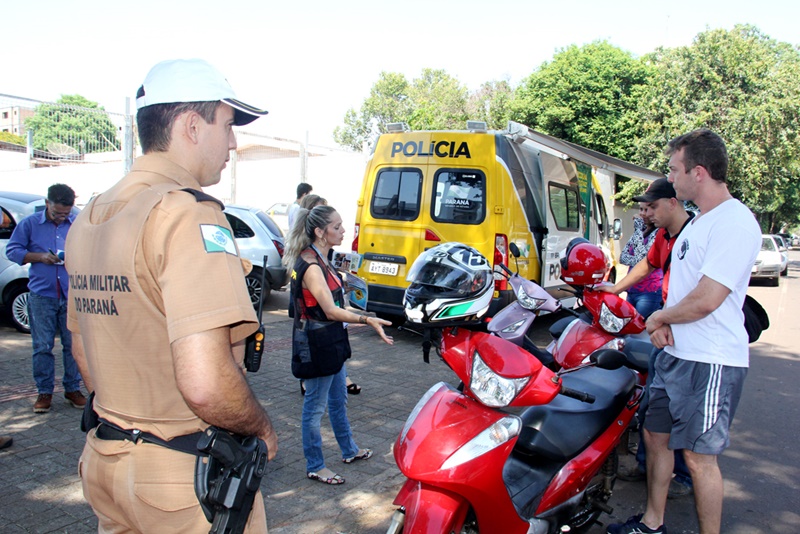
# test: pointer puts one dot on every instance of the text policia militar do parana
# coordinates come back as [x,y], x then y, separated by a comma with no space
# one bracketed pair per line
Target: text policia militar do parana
[98,282]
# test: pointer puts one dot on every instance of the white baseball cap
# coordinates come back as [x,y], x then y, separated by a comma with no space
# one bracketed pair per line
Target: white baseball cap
[192,80]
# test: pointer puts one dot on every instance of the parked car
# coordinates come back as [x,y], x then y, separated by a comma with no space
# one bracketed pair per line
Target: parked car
[280,214]
[783,248]
[13,277]
[770,262]
[795,241]
[258,235]
[787,240]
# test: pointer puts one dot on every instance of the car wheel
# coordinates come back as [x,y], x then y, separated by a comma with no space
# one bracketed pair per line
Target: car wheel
[18,309]
[785,272]
[254,288]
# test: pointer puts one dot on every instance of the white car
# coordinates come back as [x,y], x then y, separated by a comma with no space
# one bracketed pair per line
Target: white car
[770,262]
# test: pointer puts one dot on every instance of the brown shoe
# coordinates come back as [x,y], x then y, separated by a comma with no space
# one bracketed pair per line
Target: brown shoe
[5,442]
[76,399]
[42,404]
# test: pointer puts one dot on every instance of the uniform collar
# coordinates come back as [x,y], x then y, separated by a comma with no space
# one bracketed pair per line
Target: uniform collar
[158,164]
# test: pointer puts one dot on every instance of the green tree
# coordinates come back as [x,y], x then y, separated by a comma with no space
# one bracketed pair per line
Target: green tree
[74,121]
[492,104]
[586,95]
[746,87]
[434,101]
[439,102]
[388,101]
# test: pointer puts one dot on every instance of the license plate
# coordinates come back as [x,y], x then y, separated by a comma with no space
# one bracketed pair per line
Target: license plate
[379,267]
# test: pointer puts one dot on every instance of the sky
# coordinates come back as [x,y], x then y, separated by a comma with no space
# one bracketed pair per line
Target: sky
[309,61]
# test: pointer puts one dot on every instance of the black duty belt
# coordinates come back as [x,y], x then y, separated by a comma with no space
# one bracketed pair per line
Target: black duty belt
[186,443]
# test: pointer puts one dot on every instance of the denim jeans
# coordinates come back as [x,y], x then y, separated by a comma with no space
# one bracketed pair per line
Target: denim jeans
[48,316]
[645,303]
[329,391]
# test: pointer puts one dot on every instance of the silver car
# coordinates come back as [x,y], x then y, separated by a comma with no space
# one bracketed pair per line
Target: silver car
[13,277]
[257,236]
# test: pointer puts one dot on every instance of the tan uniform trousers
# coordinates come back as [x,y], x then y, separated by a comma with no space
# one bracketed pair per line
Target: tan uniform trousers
[145,488]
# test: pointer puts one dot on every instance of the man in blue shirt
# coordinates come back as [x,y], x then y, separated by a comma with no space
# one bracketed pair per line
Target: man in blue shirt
[39,240]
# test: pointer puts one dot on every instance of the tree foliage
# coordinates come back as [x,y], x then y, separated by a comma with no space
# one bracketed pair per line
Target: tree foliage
[434,101]
[585,95]
[745,87]
[738,83]
[492,104]
[74,121]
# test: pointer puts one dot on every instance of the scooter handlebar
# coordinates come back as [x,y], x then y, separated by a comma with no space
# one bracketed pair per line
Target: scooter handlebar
[580,395]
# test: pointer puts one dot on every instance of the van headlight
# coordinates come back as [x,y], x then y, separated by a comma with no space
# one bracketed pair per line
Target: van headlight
[490,388]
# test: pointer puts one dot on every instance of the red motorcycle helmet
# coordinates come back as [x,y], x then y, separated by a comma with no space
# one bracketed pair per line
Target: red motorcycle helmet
[583,264]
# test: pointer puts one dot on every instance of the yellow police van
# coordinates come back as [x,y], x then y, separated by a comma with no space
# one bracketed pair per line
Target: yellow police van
[486,189]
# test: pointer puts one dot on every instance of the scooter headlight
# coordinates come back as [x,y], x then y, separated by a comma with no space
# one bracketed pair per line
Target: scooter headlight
[490,388]
[491,438]
[610,322]
[527,301]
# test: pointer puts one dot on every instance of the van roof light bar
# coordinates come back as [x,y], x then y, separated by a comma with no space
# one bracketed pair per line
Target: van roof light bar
[397,127]
[476,126]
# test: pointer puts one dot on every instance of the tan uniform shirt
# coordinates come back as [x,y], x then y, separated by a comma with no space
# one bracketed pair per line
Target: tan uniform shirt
[141,278]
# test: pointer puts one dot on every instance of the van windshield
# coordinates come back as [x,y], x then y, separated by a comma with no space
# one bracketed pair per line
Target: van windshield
[459,197]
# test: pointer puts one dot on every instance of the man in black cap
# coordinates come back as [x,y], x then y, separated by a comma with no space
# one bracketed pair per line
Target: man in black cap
[667,213]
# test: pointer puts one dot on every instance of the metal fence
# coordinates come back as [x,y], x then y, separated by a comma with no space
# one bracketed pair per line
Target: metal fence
[64,134]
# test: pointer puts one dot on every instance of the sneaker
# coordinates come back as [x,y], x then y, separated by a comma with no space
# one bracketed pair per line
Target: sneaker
[5,442]
[631,474]
[75,399]
[634,525]
[42,404]
[678,490]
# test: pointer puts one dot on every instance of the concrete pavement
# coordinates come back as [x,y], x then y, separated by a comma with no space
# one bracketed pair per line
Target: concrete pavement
[41,492]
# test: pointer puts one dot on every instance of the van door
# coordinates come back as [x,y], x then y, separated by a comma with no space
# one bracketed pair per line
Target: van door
[565,218]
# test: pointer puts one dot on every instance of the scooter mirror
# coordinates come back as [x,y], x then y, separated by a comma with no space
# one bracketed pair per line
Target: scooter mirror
[514,249]
[608,359]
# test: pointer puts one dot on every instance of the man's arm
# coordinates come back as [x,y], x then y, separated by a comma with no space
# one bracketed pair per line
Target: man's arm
[19,244]
[636,274]
[214,386]
[700,302]
[79,354]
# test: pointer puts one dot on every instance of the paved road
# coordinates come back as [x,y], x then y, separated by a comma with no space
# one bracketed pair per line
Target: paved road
[40,490]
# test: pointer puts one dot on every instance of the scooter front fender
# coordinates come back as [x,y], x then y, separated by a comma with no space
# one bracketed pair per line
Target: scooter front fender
[431,510]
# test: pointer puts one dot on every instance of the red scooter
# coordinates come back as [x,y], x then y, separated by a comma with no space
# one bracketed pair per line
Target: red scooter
[521,449]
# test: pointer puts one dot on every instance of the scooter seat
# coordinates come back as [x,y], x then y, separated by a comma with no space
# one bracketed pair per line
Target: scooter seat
[564,427]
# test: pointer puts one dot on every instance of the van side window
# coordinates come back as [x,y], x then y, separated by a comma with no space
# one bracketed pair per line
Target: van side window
[602,217]
[397,193]
[459,197]
[565,207]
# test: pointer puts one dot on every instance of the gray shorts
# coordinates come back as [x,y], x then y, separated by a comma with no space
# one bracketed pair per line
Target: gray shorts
[694,403]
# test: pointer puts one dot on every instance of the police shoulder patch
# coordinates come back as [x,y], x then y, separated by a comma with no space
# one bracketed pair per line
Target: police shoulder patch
[217,239]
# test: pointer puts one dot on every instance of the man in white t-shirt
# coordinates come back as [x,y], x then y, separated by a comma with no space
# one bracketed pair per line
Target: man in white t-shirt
[303,189]
[699,374]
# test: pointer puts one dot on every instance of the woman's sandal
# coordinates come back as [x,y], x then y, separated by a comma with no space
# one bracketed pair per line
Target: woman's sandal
[353,389]
[335,480]
[366,455]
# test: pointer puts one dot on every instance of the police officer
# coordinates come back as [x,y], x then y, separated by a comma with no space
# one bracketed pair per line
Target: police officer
[160,312]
